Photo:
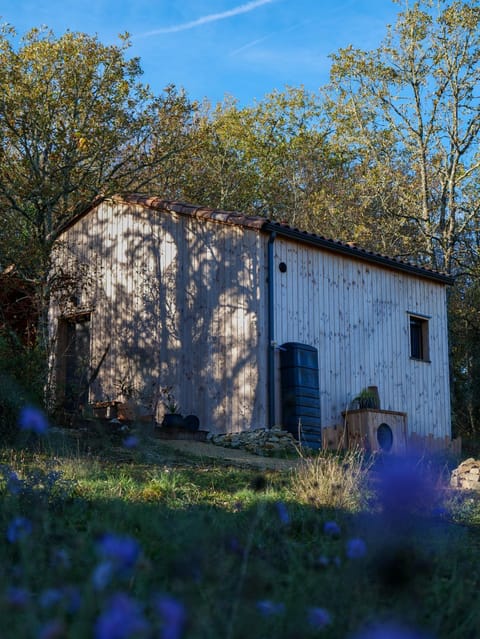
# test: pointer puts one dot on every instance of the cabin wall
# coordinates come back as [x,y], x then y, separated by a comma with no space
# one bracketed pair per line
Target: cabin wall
[177,303]
[357,315]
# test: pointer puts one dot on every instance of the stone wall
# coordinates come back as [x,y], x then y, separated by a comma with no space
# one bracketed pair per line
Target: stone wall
[467,475]
[267,443]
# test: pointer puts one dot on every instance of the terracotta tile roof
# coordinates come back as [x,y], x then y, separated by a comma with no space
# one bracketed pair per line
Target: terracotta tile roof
[218,215]
[263,224]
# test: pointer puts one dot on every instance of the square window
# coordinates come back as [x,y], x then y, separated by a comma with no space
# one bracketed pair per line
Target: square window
[419,347]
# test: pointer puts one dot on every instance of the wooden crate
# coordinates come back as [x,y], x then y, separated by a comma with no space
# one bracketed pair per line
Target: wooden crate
[333,437]
[377,430]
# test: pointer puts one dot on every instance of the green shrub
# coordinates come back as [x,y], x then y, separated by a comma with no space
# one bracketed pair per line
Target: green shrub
[22,380]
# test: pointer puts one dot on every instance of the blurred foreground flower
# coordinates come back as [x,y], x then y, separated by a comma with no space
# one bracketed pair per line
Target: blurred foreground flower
[121,619]
[356,548]
[33,419]
[270,608]
[102,575]
[406,487]
[15,485]
[331,528]
[390,631]
[122,551]
[318,618]
[19,528]
[282,513]
[17,597]
[172,615]
[53,629]
[131,441]
[119,556]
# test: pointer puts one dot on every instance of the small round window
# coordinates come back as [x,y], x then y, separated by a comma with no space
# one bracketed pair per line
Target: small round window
[282,267]
[385,437]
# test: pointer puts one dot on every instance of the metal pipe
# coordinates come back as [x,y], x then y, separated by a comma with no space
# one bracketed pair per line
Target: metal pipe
[271,331]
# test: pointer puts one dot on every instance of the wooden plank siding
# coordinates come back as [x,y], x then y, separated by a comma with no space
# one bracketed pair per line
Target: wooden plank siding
[179,295]
[178,302]
[357,315]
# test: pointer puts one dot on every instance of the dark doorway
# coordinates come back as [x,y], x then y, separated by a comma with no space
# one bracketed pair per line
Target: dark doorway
[74,344]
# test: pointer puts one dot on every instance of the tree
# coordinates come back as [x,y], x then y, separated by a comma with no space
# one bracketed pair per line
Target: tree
[75,123]
[409,112]
[273,159]
[410,109]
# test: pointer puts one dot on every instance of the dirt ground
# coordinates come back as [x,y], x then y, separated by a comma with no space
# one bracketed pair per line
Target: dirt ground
[230,456]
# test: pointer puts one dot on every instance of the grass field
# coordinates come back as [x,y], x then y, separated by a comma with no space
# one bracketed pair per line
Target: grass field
[117,539]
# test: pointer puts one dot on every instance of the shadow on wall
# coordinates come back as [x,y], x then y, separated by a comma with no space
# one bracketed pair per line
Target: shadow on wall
[171,302]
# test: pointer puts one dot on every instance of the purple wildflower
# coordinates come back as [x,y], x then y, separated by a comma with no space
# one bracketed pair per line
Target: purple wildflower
[14,484]
[356,548]
[60,558]
[405,488]
[122,551]
[173,616]
[323,561]
[50,597]
[131,442]
[121,619]
[282,513]
[318,618]
[102,575]
[390,631]
[33,419]
[72,598]
[53,629]
[17,597]
[235,547]
[270,608]
[331,528]
[19,528]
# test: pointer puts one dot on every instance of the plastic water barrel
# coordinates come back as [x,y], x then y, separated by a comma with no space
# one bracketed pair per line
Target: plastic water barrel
[300,393]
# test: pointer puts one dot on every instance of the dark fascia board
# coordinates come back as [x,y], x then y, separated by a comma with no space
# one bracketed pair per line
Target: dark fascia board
[355,252]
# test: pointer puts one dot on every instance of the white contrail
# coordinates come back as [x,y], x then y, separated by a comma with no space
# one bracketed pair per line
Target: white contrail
[243,8]
[253,43]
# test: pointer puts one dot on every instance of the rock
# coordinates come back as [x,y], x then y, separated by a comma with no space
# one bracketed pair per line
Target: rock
[260,441]
[467,475]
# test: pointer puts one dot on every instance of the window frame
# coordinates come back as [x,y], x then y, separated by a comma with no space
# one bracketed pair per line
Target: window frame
[419,337]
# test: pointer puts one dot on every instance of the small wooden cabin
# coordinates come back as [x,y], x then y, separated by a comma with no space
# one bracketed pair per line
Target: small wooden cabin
[232,312]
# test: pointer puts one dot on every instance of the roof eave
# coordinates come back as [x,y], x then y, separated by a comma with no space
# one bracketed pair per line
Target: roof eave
[353,251]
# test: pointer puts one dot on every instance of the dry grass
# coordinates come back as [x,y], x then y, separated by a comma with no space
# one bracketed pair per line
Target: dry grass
[334,480]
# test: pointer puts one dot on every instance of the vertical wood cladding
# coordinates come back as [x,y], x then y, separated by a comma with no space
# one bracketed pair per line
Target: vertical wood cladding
[182,301]
[178,301]
[358,317]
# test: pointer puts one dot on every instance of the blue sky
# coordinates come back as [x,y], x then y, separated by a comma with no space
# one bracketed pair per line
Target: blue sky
[213,48]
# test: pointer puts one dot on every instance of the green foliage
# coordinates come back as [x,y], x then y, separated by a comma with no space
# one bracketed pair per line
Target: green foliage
[273,158]
[22,378]
[76,123]
[464,319]
[410,108]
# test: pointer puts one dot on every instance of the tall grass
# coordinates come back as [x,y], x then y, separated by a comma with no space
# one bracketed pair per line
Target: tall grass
[334,480]
[114,543]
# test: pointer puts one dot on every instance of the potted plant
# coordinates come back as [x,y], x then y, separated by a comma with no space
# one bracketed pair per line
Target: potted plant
[368,398]
[172,416]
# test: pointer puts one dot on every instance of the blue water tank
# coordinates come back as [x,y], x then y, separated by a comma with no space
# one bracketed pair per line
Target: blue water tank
[300,393]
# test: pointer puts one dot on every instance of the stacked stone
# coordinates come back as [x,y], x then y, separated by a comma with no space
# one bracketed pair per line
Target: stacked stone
[266,443]
[467,475]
